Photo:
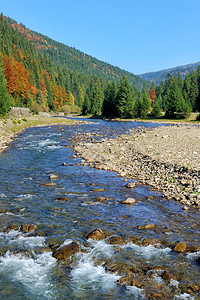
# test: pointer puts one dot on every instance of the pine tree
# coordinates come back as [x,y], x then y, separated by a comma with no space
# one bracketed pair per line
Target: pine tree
[145,105]
[156,109]
[124,103]
[97,100]
[86,106]
[109,105]
[5,103]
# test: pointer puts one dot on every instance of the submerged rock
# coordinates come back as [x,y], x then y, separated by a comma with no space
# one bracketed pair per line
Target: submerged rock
[28,228]
[96,234]
[49,184]
[62,199]
[66,251]
[147,226]
[167,275]
[116,240]
[98,190]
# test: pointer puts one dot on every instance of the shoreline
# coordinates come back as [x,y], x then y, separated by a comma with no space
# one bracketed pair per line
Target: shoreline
[12,126]
[165,158]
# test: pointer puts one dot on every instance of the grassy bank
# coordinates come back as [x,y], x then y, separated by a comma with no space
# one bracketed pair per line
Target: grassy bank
[11,126]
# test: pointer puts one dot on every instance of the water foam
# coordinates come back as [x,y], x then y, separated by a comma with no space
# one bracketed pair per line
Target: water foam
[88,274]
[33,273]
[136,292]
[183,297]
[148,252]
[28,241]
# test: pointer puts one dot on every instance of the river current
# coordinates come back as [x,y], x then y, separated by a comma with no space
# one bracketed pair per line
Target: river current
[27,268]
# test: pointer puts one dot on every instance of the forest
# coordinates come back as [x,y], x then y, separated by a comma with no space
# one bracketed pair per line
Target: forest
[33,75]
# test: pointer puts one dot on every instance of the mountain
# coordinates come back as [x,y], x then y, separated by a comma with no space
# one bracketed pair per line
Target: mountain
[159,76]
[74,59]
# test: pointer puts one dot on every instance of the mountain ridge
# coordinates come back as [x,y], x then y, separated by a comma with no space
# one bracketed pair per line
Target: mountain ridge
[73,58]
[161,75]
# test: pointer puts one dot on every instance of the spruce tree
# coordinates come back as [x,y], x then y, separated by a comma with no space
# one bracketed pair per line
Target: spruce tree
[86,106]
[123,99]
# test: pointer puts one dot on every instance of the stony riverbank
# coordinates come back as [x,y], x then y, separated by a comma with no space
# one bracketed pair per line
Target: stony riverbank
[166,158]
[11,126]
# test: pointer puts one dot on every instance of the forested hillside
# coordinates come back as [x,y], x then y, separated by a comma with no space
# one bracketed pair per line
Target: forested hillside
[159,76]
[73,58]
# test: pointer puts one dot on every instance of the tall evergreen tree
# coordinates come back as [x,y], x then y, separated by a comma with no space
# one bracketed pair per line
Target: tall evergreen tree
[124,102]
[97,100]
[109,105]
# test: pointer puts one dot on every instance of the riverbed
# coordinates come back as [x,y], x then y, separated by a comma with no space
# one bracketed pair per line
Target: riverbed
[132,267]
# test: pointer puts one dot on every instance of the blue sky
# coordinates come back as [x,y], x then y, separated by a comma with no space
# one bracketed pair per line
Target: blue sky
[137,35]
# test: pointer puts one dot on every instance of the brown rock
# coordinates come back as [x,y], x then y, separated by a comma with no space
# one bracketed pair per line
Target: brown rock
[62,199]
[49,184]
[53,176]
[181,247]
[101,199]
[128,201]
[96,234]
[154,293]
[116,240]
[66,251]
[28,228]
[99,190]
[147,226]
[64,164]
[130,185]
[168,276]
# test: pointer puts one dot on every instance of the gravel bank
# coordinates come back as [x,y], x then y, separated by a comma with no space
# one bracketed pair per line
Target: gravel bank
[167,158]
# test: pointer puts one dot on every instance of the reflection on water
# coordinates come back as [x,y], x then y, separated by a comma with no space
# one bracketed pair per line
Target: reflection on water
[27,268]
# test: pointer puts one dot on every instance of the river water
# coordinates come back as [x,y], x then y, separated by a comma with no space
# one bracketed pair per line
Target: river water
[27,268]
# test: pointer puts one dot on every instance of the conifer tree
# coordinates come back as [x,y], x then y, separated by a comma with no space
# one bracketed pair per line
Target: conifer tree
[124,103]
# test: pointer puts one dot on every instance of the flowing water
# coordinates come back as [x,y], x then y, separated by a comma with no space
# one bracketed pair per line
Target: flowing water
[27,268]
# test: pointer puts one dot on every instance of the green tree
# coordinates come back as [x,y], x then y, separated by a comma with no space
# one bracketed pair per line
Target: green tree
[124,103]
[145,105]
[109,105]
[5,103]
[86,106]
[156,109]
[97,100]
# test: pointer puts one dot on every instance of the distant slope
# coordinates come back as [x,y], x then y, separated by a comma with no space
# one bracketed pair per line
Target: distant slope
[159,76]
[73,58]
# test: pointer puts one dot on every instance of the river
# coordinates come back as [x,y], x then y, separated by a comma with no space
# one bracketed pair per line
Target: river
[27,268]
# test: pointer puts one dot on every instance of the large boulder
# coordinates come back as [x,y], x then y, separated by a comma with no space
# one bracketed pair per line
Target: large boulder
[96,234]
[66,251]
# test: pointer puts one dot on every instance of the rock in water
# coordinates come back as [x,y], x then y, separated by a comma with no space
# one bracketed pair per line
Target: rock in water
[28,228]
[181,247]
[49,184]
[66,251]
[147,226]
[130,185]
[53,176]
[128,201]
[96,234]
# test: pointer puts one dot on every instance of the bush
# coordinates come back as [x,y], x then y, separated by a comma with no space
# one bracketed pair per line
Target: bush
[36,108]
[70,109]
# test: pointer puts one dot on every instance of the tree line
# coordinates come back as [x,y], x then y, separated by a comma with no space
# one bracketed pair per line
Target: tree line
[29,78]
